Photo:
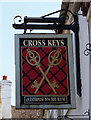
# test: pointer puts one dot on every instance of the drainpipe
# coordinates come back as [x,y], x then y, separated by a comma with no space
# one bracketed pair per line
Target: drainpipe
[74,7]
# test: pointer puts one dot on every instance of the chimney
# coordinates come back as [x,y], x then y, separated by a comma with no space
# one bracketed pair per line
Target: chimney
[4,77]
[5,98]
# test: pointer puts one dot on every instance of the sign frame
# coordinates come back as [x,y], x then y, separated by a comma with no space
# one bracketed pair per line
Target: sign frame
[71,73]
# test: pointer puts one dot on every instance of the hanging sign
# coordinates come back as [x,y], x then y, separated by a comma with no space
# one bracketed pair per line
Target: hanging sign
[44,71]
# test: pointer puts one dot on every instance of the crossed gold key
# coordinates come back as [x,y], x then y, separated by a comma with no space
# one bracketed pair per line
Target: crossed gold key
[54,58]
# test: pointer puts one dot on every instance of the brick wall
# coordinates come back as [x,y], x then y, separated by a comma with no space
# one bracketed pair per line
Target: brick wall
[25,113]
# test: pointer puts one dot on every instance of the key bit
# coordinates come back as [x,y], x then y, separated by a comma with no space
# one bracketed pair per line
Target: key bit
[54,84]
[35,84]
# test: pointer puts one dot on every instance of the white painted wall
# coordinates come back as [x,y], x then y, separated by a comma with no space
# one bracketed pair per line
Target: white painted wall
[82,103]
[89,21]
[5,98]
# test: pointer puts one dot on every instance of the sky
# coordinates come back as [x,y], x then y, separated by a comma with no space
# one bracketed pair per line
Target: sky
[8,10]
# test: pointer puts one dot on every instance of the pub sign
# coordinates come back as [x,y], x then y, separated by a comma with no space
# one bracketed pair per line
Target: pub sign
[44,71]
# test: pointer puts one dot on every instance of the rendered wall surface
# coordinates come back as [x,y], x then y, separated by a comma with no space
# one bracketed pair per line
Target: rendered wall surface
[5,98]
[82,103]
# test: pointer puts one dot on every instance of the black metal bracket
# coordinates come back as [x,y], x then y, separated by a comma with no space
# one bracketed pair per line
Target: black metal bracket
[88,49]
[56,23]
